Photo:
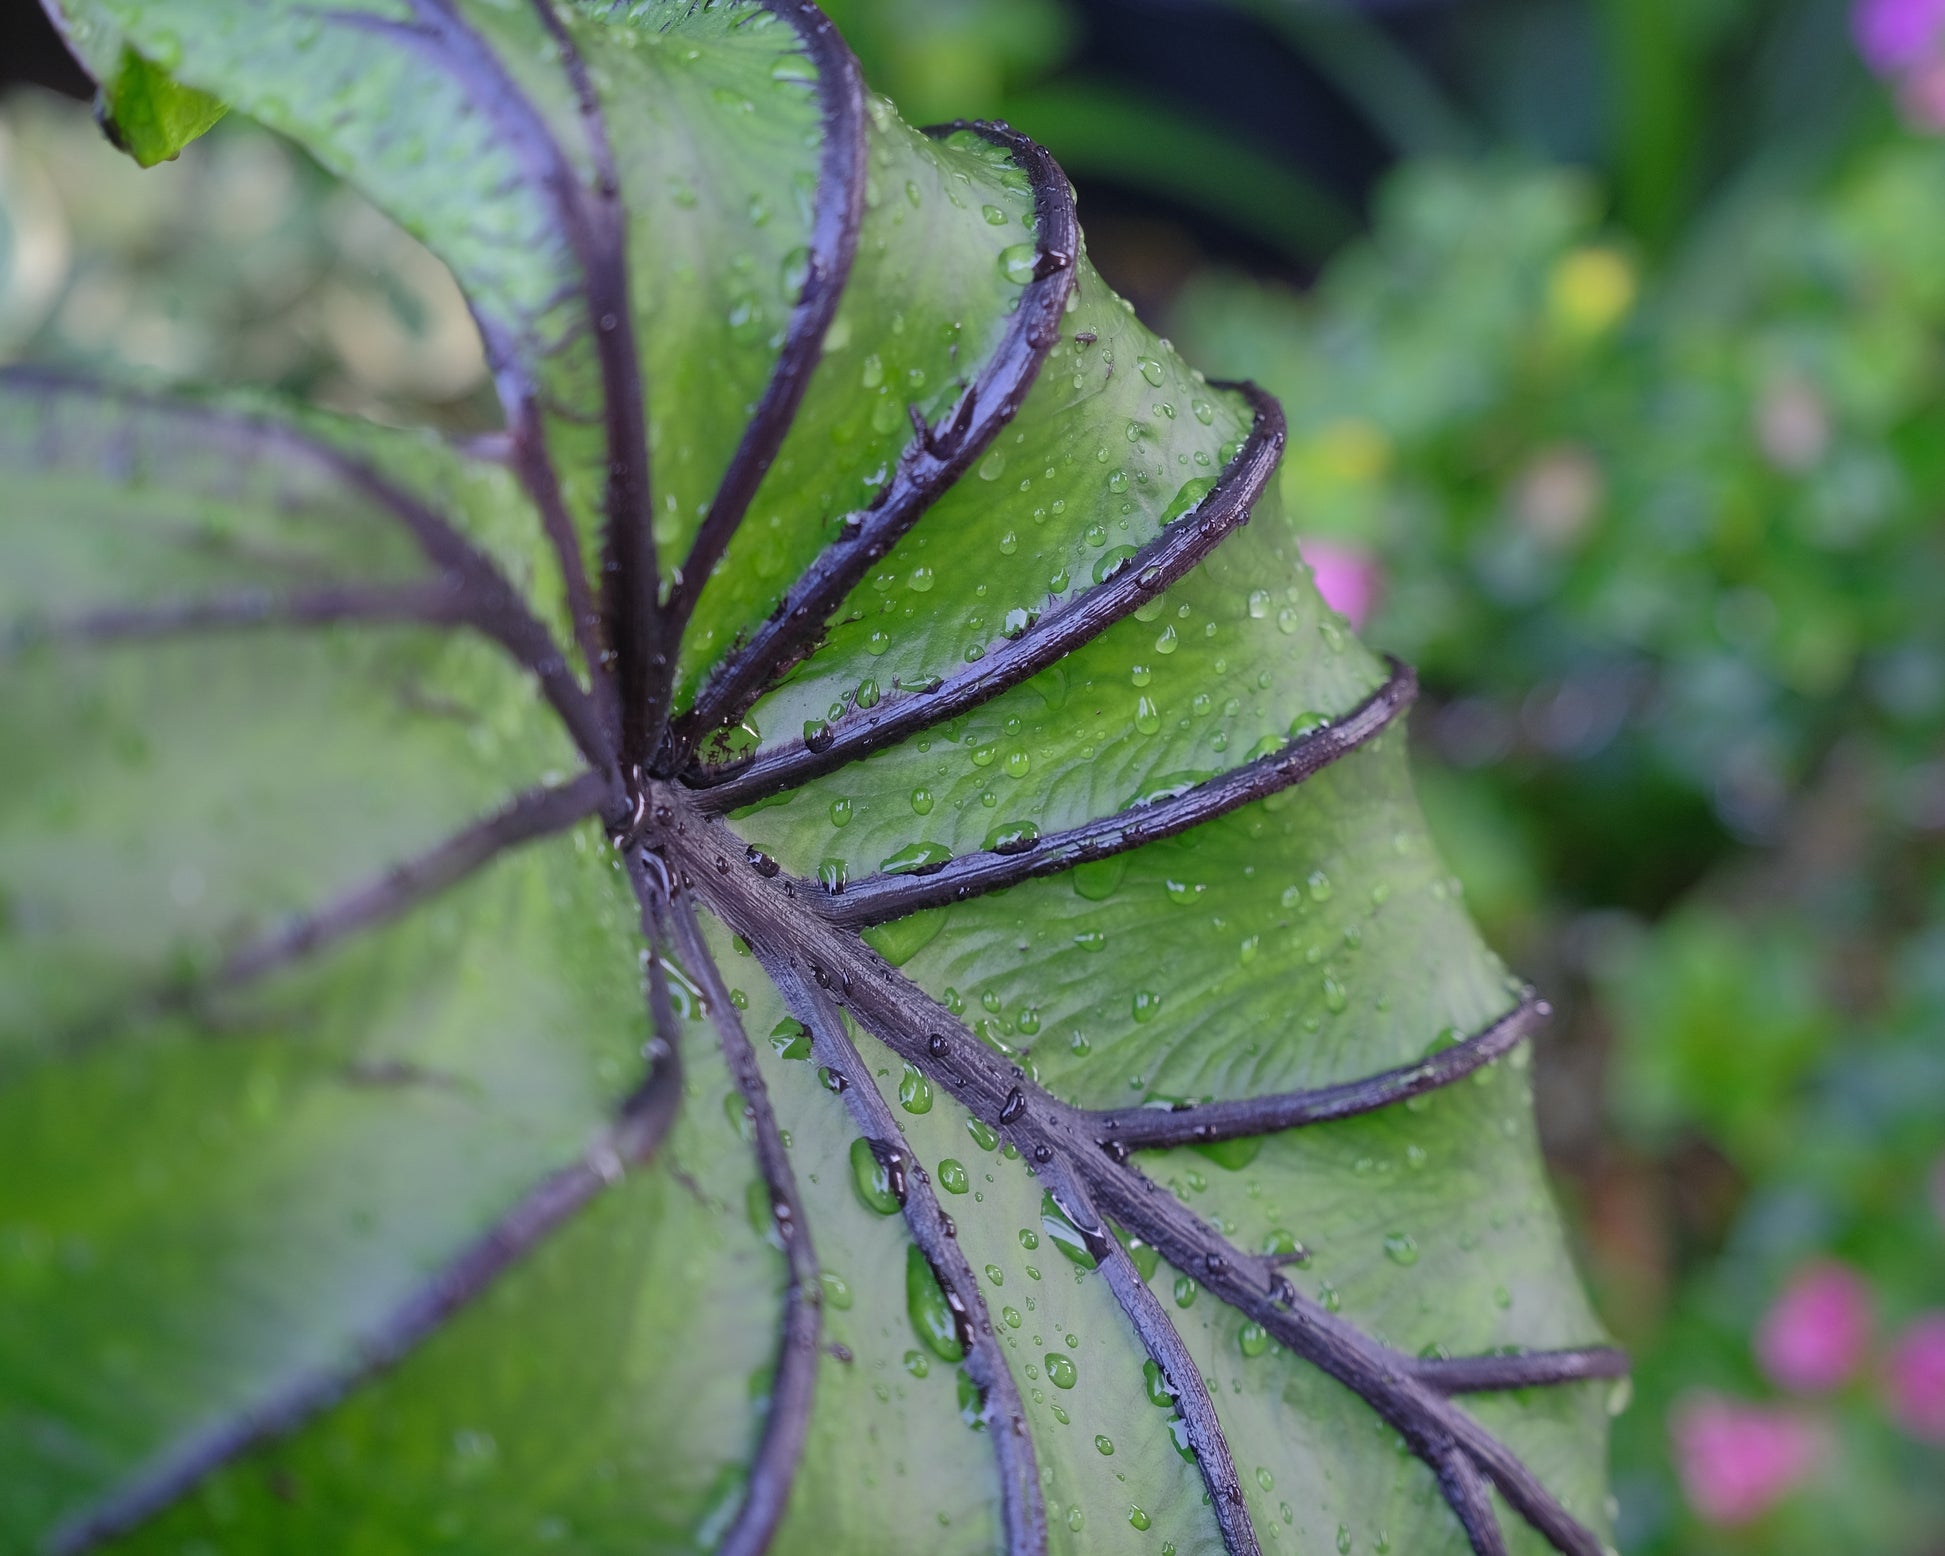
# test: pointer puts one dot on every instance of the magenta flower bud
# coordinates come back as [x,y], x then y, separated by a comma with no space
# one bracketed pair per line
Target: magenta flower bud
[1896,36]
[1814,1338]
[1348,578]
[1914,1377]
[1736,1461]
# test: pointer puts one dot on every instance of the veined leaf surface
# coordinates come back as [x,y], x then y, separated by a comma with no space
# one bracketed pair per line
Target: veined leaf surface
[823,946]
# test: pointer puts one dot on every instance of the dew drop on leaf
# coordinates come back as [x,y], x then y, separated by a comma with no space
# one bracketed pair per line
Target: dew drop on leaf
[926,1306]
[1018,263]
[872,1179]
[1061,1371]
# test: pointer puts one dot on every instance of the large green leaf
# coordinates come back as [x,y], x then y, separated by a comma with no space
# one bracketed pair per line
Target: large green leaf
[1072,1110]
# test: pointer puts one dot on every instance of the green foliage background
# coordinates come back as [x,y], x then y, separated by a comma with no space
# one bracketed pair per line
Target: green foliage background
[1639,407]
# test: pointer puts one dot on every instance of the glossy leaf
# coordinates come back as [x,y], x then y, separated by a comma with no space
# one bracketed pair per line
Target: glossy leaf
[1081,1116]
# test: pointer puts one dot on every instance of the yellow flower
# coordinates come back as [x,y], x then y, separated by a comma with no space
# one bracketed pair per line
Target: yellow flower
[1590,291]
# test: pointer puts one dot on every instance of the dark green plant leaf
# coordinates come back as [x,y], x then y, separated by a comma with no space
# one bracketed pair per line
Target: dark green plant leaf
[1083,1117]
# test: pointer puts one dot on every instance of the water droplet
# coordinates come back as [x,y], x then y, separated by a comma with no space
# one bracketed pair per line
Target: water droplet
[1061,1371]
[1097,879]
[1185,1290]
[915,1091]
[1254,1340]
[1064,1234]
[873,1180]
[982,1133]
[1401,1248]
[1146,1002]
[916,859]
[995,217]
[1138,1518]
[1204,411]
[1104,1446]
[916,1364]
[791,1039]
[1019,262]
[1343,1541]
[1012,837]
[795,272]
[1150,370]
[925,1304]
[993,466]
[1148,717]
[921,580]
[1265,1479]
[922,802]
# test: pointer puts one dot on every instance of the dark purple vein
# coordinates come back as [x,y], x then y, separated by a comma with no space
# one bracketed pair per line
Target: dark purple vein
[536,814]
[773,1470]
[879,898]
[1145,1128]
[1467,1495]
[837,215]
[641,1123]
[1520,1369]
[498,611]
[1023,1510]
[770,910]
[1170,1352]
[434,602]
[1429,1423]
[597,228]
[1157,565]
[936,457]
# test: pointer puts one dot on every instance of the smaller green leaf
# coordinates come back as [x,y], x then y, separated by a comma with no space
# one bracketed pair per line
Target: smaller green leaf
[149,116]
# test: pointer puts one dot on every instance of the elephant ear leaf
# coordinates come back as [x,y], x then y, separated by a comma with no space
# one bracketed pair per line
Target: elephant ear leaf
[821,945]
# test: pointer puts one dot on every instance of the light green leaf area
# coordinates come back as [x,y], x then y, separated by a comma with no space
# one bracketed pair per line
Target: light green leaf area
[934,282]
[602,1396]
[162,801]
[152,118]
[1430,1225]
[214,1189]
[1193,683]
[265,1181]
[1117,439]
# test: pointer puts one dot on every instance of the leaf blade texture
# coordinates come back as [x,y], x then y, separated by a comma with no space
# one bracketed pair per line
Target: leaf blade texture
[824,940]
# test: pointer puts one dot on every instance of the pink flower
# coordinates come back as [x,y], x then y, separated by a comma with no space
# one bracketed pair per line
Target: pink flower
[1815,1336]
[1914,1377]
[1736,1461]
[1895,36]
[1347,577]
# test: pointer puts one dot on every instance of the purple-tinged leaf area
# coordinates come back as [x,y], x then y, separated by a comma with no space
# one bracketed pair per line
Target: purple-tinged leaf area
[1065,1109]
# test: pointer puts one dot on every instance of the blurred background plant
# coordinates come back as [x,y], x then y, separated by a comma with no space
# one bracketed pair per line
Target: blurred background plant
[1612,334]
